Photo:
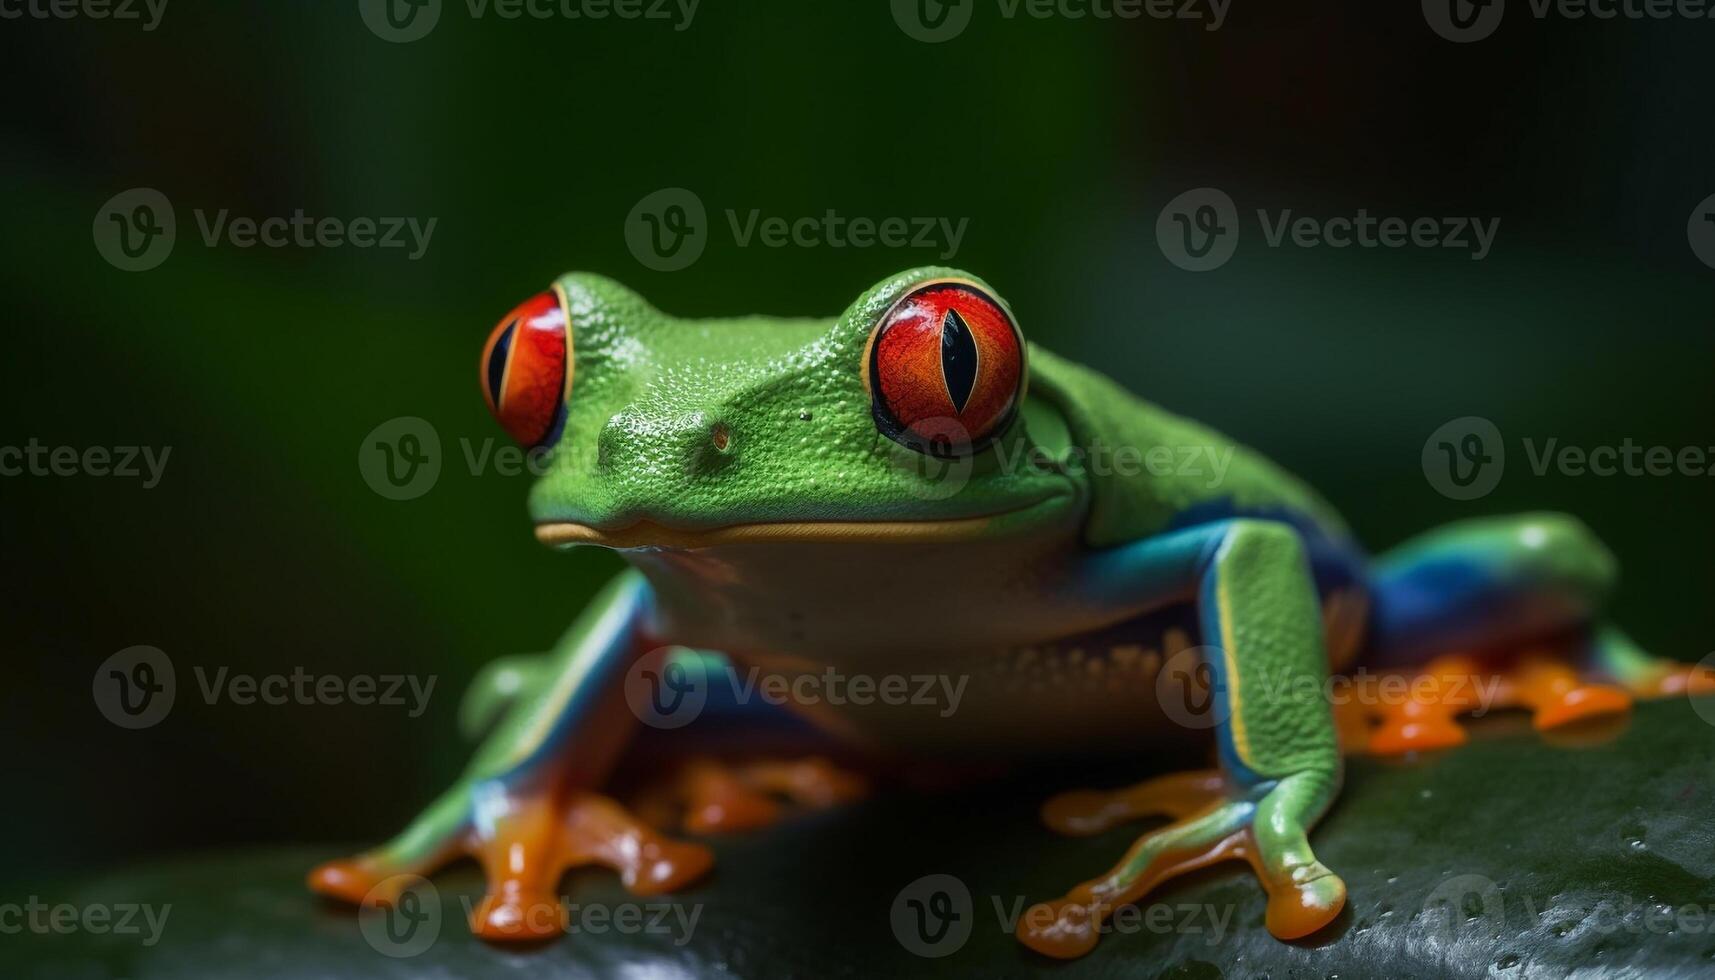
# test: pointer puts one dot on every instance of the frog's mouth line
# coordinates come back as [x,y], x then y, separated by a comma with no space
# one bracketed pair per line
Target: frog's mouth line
[648,534]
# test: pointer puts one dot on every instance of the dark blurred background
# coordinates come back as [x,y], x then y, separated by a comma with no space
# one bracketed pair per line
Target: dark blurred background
[529,141]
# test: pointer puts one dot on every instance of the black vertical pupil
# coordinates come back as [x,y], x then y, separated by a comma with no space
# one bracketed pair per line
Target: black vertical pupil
[958,359]
[497,364]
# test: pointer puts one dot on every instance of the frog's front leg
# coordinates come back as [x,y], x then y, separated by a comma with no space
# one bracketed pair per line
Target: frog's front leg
[1262,630]
[525,807]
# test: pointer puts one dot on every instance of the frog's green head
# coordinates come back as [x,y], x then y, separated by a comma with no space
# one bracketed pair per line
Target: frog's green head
[908,416]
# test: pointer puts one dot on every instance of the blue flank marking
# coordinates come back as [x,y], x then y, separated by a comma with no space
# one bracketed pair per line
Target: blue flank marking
[1335,562]
[1418,596]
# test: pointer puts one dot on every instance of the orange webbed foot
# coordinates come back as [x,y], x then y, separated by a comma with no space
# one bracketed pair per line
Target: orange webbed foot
[1213,819]
[525,843]
[1427,716]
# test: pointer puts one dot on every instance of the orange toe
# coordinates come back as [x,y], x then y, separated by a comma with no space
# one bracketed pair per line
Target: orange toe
[667,865]
[348,880]
[1691,680]
[1300,909]
[516,916]
[1063,929]
[1080,813]
[1426,734]
[719,802]
[1579,703]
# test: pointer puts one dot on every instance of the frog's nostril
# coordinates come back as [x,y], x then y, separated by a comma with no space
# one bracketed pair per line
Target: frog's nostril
[721,436]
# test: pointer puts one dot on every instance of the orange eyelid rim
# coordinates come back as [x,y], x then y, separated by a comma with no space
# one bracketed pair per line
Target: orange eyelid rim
[571,347]
[927,284]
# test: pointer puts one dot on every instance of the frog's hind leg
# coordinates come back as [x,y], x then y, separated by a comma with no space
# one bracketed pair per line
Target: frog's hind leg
[1614,654]
[1081,813]
[1501,612]
[754,755]
[714,796]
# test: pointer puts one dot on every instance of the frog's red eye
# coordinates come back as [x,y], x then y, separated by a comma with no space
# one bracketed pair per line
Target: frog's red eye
[945,369]
[527,370]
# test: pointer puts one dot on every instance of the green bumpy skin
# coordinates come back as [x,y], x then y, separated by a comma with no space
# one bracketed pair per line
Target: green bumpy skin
[649,390]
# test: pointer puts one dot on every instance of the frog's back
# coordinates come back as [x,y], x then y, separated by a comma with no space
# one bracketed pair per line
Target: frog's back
[1150,470]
